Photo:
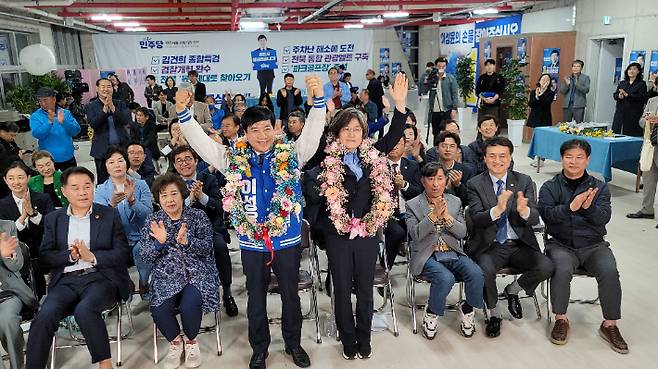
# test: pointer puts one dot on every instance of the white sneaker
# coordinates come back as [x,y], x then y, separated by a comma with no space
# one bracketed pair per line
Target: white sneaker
[192,354]
[467,325]
[430,323]
[175,354]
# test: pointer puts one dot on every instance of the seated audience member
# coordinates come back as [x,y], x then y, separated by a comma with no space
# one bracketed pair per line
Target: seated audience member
[436,225]
[406,186]
[239,109]
[464,154]
[458,174]
[177,138]
[576,208]
[414,149]
[177,244]
[55,128]
[230,129]
[132,199]
[49,179]
[288,98]
[204,195]
[9,151]
[502,211]
[139,166]
[14,296]
[27,209]
[487,128]
[649,123]
[296,122]
[216,114]
[144,131]
[164,110]
[86,251]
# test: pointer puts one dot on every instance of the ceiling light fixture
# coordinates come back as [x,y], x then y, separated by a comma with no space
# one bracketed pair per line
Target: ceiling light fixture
[135,29]
[126,24]
[250,25]
[372,20]
[398,14]
[353,26]
[106,17]
[485,11]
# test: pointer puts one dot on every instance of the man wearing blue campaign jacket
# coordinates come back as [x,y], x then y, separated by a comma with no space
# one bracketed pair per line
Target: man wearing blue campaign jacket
[263,194]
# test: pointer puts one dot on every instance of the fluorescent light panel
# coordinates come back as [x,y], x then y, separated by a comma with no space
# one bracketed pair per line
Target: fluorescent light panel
[353,26]
[106,17]
[485,11]
[398,14]
[135,29]
[126,24]
[372,20]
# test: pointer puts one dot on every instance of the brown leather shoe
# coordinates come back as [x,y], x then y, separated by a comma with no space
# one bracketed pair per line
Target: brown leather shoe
[560,332]
[614,338]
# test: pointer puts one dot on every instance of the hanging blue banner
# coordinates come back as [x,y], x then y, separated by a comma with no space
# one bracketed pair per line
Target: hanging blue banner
[498,27]
[263,59]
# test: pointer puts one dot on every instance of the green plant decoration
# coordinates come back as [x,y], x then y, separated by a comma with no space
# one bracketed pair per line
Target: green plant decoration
[515,96]
[23,98]
[465,77]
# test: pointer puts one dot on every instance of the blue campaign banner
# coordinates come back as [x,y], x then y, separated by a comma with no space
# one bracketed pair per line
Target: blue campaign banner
[522,50]
[653,64]
[551,61]
[498,27]
[638,56]
[263,59]
[396,67]
[384,54]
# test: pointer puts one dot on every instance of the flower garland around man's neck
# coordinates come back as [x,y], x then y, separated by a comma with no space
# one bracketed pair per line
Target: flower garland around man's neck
[284,168]
[332,177]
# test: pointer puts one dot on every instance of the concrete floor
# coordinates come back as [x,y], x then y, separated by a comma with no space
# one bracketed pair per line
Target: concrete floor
[522,344]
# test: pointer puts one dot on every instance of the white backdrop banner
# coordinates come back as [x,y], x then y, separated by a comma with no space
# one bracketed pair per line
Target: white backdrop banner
[224,59]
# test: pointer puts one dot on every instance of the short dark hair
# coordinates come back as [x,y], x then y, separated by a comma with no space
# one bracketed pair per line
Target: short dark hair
[151,77]
[232,117]
[288,75]
[8,127]
[485,117]
[576,143]
[17,164]
[77,170]
[555,51]
[429,64]
[115,150]
[255,114]
[490,61]
[413,128]
[165,180]
[445,134]
[134,105]
[498,141]
[145,111]
[299,114]
[410,114]
[347,74]
[134,143]
[102,79]
[261,37]
[578,61]
[172,80]
[334,68]
[182,149]
[431,169]
[192,73]
[441,59]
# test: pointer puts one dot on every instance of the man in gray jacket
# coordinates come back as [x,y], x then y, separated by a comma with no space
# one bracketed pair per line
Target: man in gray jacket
[575,88]
[435,223]
[444,95]
[13,294]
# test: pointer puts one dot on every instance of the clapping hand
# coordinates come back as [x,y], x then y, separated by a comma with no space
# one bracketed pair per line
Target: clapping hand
[399,180]
[181,236]
[455,177]
[522,204]
[158,231]
[567,80]
[284,92]
[503,198]
[8,245]
[60,116]
[196,190]
[398,91]
[51,116]
[278,127]
[129,190]
[83,251]
[583,200]
[117,196]
[590,198]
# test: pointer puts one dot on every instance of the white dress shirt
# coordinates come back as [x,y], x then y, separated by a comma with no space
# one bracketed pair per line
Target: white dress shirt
[401,202]
[36,219]
[79,229]
[204,198]
[511,235]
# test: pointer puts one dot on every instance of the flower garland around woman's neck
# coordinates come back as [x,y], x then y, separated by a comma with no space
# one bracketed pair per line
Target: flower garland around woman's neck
[381,186]
[285,200]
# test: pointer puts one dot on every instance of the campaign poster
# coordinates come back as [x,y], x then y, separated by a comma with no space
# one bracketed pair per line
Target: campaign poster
[487,49]
[522,50]
[618,67]
[396,68]
[653,64]
[384,55]
[384,69]
[455,42]
[263,60]
[638,56]
[551,66]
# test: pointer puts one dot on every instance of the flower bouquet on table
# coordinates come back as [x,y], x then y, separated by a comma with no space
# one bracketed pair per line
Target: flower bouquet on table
[591,129]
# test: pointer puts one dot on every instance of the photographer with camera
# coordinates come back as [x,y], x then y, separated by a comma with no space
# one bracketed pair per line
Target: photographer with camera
[443,94]
[54,127]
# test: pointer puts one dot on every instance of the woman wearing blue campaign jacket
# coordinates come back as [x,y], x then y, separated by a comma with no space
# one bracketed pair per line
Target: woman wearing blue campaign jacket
[132,199]
[54,128]
[267,213]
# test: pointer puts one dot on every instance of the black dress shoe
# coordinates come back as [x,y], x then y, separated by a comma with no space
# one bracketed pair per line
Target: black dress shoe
[514,305]
[258,360]
[299,357]
[640,215]
[493,326]
[230,306]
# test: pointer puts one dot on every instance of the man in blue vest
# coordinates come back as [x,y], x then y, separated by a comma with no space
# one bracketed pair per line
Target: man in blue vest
[283,254]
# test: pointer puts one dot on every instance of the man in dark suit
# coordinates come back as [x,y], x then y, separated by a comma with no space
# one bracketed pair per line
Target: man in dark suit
[265,76]
[446,146]
[26,208]
[86,251]
[199,88]
[205,195]
[406,182]
[375,91]
[502,210]
[110,120]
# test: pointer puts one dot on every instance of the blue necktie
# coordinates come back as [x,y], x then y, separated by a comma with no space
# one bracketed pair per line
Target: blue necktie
[112,131]
[501,234]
